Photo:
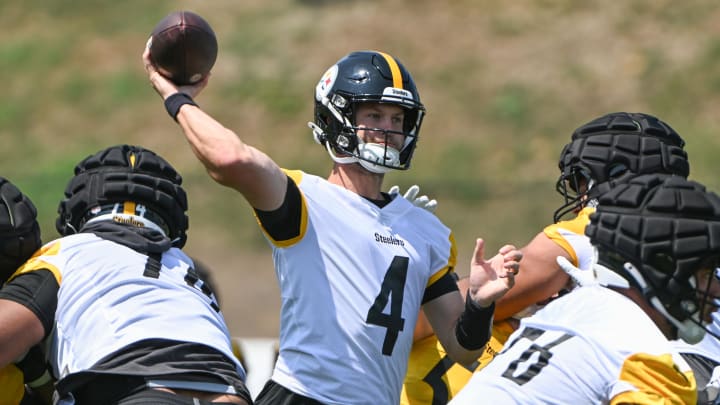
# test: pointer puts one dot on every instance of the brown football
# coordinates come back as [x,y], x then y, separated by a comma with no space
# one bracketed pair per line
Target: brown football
[183,47]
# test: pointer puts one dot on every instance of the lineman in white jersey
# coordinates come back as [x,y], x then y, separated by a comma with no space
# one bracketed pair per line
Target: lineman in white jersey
[127,319]
[609,345]
[604,152]
[354,265]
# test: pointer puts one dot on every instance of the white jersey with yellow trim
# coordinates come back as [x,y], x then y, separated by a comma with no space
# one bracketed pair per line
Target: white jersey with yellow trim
[352,285]
[590,346]
[570,235]
[102,287]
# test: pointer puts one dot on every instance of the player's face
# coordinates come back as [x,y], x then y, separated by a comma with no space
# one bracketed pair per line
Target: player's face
[382,118]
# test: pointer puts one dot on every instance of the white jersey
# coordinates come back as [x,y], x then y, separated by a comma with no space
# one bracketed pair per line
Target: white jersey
[102,288]
[352,285]
[590,346]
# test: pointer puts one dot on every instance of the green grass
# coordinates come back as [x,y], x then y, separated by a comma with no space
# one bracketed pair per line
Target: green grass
[505,84]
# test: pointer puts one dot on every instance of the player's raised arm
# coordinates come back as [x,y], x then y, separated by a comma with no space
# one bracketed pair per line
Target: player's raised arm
[227,159]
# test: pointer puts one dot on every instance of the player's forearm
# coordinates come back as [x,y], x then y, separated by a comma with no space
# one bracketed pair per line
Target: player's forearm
[19,330]
[470,333]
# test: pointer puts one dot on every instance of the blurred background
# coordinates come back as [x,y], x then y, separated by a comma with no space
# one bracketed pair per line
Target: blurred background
[505,84]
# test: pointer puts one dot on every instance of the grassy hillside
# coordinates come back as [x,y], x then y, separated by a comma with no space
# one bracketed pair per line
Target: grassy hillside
[505,83]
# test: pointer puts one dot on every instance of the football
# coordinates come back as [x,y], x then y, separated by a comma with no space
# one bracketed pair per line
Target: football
[183,47]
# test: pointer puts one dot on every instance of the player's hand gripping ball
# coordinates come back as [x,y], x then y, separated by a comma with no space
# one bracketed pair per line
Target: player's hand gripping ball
[183,47]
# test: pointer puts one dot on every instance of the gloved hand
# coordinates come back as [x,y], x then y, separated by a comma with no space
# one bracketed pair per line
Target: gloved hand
[423,202]
[596,275]
[712,389]
[582,278]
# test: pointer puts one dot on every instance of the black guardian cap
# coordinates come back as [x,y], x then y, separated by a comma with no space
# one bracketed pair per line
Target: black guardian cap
[657,231]
[19,229]
[128,180]
[612,149]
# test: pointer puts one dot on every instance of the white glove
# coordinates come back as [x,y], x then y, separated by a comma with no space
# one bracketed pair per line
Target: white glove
[597,275]
[582,278]
[713,386]
[423,201]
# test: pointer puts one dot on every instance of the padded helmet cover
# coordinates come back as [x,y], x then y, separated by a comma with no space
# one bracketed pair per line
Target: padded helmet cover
[19,229]
[613,148]
[125,173]
[667,227]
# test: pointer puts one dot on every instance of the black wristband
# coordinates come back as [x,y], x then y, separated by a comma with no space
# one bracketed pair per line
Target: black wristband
[175,101]
[474,328]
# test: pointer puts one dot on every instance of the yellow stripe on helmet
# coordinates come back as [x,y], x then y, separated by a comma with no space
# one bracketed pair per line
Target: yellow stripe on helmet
[129,208]
[394,69]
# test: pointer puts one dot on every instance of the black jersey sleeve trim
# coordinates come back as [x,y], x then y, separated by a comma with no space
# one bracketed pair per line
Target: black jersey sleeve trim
[37,291]
[285,222]
[445,284]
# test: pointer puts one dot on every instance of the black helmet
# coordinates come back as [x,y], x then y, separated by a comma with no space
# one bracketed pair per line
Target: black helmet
[657,231]
[361,77]
[612,149]
[128,180]
[19,229]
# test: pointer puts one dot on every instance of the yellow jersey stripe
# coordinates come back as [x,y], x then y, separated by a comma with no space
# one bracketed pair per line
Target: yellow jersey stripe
[35,263]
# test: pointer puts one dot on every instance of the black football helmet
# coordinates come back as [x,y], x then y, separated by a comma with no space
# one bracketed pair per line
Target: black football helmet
[657,231]
[125,183]
[19,229]
[612,149]
[361,77]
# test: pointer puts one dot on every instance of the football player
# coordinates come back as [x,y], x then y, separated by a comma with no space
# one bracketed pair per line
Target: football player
[604,152]
[608,342]
[354,265]
[127,317]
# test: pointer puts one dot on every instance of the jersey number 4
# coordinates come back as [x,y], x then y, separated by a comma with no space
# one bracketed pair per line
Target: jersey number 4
[394,283]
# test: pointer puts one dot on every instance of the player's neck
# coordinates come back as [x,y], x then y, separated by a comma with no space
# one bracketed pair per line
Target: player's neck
[355,178]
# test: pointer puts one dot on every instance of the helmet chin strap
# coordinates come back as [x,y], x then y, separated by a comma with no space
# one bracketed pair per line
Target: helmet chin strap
[373,153]
[689,330]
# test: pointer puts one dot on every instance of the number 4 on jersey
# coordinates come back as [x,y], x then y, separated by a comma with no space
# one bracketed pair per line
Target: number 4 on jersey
[394,283]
